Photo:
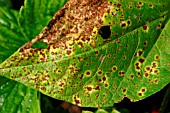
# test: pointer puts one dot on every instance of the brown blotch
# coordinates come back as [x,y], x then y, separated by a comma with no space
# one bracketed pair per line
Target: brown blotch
[97,88]
[141,60]
[104,78]
[123,25]
[145,27]
[140,52]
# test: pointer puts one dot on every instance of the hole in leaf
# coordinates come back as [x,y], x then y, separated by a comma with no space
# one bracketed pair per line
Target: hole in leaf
[105,32]
[41,45]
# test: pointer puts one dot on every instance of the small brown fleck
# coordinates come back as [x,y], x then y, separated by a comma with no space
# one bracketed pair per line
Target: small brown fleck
[139,94]
[124,90]
[97,88]
[143,90]
[123,25]
[146,74]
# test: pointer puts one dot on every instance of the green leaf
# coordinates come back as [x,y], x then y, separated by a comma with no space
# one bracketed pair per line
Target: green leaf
[14,96]
[17,98]
[81,67]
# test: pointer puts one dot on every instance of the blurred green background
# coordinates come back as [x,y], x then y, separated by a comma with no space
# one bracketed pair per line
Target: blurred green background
[13,4]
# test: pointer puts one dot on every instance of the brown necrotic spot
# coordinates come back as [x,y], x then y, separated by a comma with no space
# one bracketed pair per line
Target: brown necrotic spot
[146,74]
[100,72]
[148,68]
[139,74]
[124,90]
[145,27]
[97,88]
[118,5]
[104,78]
[88,73]
[143,89]
[122,73]
[81,76]
[139,94]
[96,52]
[123,25]
[150,5]
[157,57]
[141,60]
[131,76]
[145,43]
[89,88]
[77,101]
[140,52]
[106,85]
[128,22]
[154,65]
[105,32]
[156,71]
[68,52]
[114,68]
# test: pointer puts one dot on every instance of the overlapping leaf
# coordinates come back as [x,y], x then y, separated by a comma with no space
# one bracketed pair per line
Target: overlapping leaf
[81,67]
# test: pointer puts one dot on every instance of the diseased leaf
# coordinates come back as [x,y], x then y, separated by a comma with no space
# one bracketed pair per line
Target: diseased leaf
[86,67]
